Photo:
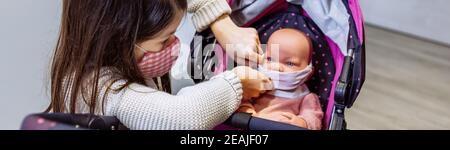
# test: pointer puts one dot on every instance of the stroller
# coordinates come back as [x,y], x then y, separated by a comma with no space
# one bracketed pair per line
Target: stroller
[338,59]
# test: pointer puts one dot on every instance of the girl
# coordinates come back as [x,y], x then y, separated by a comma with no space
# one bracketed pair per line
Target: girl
[108,54]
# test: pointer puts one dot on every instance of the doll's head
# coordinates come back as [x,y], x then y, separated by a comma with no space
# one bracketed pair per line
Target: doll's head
[288,50]
[288,58]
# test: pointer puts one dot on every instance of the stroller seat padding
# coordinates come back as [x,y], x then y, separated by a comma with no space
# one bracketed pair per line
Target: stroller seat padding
[322,59]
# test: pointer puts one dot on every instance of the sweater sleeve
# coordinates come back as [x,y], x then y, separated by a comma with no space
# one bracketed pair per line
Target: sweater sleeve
[311,112]
[206,12]
[199,107]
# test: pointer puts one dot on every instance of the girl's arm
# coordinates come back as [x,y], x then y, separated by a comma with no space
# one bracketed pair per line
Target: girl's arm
[199,107]
[235,40]
[205,12]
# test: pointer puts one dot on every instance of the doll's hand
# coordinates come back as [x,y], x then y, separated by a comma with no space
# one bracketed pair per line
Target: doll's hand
[247,107]
[295,120]
[247,110]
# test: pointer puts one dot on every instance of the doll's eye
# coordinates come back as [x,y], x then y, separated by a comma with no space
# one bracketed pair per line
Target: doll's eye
[269,59]
[290,64]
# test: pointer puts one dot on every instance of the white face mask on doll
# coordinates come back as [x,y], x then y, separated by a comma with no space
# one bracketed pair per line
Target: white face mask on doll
[289,85]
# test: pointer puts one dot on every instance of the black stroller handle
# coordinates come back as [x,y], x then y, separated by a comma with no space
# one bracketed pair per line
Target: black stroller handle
[248,122]
[63,121]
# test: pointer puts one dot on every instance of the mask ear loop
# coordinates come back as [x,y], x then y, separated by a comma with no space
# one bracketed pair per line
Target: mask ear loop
[141,48]
[312,70]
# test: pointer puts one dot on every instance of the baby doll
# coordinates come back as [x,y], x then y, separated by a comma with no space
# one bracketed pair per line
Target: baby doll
[287,63]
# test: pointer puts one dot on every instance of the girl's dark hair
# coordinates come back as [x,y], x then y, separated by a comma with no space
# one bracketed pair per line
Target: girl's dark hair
[99,34]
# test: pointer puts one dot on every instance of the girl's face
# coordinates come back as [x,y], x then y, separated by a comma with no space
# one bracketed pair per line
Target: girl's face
[162,39]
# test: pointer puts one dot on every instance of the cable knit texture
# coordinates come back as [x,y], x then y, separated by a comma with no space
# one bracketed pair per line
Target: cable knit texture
[206,12]
[198,107]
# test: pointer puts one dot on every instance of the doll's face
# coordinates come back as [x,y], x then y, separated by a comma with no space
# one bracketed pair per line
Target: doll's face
[288,50]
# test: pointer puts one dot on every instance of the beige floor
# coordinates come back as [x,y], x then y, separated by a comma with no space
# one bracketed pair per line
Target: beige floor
[407,84]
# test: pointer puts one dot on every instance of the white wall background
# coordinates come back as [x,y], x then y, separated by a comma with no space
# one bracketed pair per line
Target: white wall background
[28,31]
[428,19]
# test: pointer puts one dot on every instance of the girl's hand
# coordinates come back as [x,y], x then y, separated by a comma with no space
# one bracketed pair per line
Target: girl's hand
[242,44]
[247,107]
[253,82]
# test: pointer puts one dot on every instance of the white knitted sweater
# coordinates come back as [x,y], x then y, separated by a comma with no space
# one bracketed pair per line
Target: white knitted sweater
[206,12]
[199,107]
[202,106]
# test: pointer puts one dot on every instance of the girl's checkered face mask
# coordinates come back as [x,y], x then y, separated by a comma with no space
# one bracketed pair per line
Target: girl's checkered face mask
[157,64]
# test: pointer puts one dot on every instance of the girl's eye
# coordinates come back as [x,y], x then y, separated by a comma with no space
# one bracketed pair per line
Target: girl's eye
[165,42]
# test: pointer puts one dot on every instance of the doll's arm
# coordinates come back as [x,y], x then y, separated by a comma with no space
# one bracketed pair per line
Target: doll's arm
[247,107]
[311,112]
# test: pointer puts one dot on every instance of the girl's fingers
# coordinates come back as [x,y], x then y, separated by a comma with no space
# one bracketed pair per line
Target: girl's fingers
[254,57]
[259,51]
[246,62]
[266,83]
[268,86]
[258,46]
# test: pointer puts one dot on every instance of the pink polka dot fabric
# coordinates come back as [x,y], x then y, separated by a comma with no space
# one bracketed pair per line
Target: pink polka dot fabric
[323,62]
